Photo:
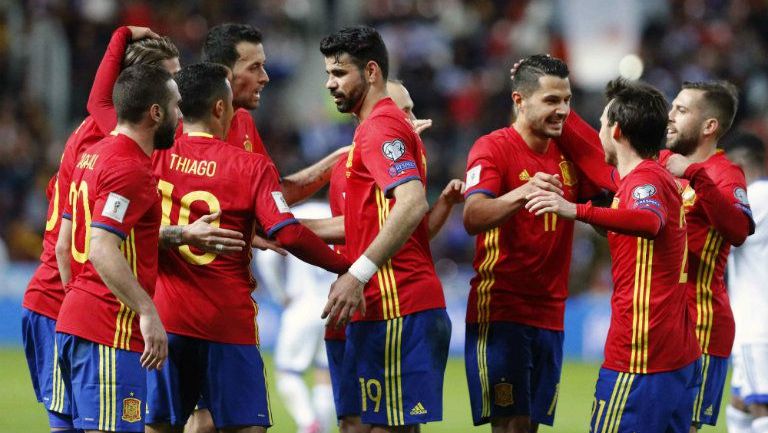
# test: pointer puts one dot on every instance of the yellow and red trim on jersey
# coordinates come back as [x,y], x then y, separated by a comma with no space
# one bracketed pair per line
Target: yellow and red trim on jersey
[704,310]
[638,360]
[125,316]
[390,302]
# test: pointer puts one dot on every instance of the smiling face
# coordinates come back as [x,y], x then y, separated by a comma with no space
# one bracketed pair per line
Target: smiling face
[250,77]
[547,107]
[346,82]
[685,122]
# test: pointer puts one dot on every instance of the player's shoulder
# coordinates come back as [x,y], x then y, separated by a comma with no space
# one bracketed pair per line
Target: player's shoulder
[493,142]
[242,118]
[723,170]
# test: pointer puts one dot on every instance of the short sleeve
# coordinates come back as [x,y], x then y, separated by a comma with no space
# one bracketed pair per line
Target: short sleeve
[123,195]
[644,190]
[389,153]
[483,174]
[733,186]
[271,210]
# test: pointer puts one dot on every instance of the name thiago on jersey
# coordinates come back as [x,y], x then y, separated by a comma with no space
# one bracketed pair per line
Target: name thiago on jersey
[193,166]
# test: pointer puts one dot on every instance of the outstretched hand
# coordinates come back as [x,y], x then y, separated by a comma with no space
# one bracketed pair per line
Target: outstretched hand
[203,235]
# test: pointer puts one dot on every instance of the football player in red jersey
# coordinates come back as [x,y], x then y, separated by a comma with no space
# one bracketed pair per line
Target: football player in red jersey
[114,217]
[651,371]
[516,304]
[717,212]
[400,333]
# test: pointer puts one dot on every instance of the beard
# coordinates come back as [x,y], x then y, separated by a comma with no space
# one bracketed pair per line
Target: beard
[348,103]
[683,144]
[165,135]
[543,128]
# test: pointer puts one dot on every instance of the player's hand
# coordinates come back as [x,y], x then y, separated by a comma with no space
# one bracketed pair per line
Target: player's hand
[453,192]
[677,164]
[155,341]
[541,202]
[420,125]
[543,182]
[138,33]
[516,66]
[345,298]
[262,243]
[202,235]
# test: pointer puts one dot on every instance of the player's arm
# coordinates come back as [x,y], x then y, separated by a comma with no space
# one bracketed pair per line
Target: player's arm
[452,194]
[406,214]
[330,230]
[302,184]
[644,222]
[202,235]
[483,211]
[100,104]
[581,144]
[729,216]
[109,262]
[63,250]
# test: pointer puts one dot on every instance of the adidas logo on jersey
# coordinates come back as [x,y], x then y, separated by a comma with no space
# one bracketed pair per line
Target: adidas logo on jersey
[708,412]
[524,176]
[418,409]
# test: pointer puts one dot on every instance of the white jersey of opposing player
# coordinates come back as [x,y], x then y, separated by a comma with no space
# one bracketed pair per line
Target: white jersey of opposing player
[748,273]
[303,289]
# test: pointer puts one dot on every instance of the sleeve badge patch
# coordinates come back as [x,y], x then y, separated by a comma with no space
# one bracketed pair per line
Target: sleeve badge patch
[741,196]
[643,191]
[394,149]
[473,176]
[280,202]
[115,207]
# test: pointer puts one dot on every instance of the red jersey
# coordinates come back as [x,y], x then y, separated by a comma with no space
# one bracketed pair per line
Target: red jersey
[651,329]
[384,154]
[708,255]
[522,265]
[243,134]
[45,292]
[113,189]
[198,176]
[336,196]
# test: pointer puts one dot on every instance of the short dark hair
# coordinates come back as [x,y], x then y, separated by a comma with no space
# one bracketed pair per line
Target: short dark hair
[200,86]
[138,88]
[221,42]
[641,112]
[362,43]
[750,143]
[721,100]
[530,69]
[150,51]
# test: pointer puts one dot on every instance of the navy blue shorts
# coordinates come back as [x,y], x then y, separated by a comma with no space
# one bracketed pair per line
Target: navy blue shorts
[38,333]
[346,390]
[513,370]
[230,378]
[400,367]
[706,407]
[648,403]
[108,386]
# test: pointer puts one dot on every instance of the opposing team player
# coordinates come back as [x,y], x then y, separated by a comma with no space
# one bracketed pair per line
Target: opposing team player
[114,213]
[399,337]
[717,212]
[203,298]
[651,371]
[514,341]
[747,280]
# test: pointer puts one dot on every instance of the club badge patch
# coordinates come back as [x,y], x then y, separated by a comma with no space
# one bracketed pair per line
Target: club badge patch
[643,191]
[131,409]
[568,172]
[115,207]
[399,168]
[394,149]
[741,195]
[502,394]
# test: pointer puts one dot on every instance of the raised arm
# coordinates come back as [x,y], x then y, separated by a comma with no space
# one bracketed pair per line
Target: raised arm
[302,184]
[452,194]
[581,144]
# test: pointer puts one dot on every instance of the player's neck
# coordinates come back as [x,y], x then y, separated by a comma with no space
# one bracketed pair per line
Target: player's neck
[534,141]
[627,161]
[204,128]
[145,138]
[375,94]
[704,151]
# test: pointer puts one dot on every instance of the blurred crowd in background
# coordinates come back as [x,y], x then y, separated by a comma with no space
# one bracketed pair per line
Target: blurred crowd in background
[453,55]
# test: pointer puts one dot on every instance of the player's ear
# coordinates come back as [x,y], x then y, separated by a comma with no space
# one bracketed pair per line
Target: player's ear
[710,126]
[371,71]
[156,112]
[616,131]
[517,98]
[218,108]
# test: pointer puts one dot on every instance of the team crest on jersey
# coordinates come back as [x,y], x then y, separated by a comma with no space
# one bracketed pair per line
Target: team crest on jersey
[247,145]
[394,149]
[741,195]
[643,191]
[615,203]
[689,196]
[502,394]
[131,409]
[568,172]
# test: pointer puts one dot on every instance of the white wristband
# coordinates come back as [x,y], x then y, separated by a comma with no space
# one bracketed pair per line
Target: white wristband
[363,269]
